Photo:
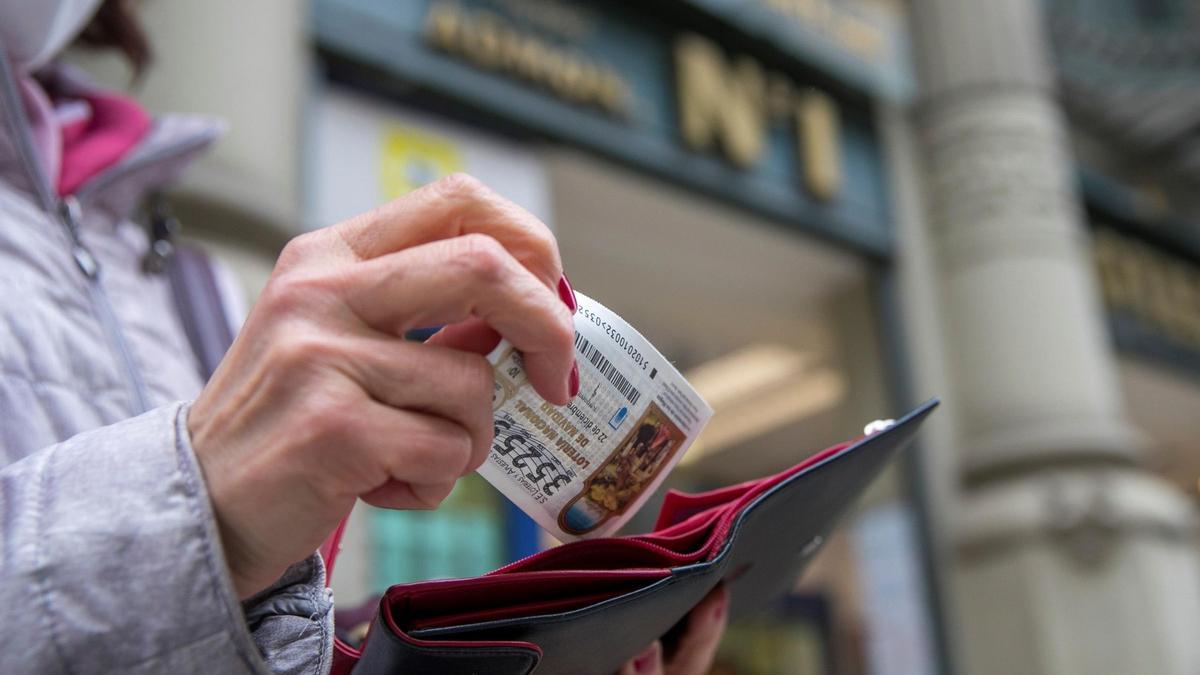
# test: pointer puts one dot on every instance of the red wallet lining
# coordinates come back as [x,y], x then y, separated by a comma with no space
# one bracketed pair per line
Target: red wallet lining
[688,535]
[679,507]
[731,511]
[600,554]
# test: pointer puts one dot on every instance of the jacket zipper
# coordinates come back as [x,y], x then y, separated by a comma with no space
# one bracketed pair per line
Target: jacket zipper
[69,214]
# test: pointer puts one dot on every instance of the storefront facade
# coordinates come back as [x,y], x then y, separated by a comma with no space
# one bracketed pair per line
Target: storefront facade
[823,211]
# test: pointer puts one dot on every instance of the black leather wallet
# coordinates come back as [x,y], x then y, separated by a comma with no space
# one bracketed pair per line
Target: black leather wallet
[587,607]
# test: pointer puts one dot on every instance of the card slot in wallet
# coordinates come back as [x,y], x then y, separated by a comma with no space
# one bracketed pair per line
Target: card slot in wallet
[680,507]
[702,521]
[687,542]
[693,536]
[517,610]
[600,554]
[432,604]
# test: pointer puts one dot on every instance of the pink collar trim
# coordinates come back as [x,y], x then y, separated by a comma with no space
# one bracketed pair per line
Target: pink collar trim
[115,125]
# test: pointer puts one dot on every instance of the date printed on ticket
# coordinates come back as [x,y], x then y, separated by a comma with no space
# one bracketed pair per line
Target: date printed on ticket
[583,469]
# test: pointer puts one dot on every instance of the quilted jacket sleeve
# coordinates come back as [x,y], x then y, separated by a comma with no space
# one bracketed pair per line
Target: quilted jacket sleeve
[110,561]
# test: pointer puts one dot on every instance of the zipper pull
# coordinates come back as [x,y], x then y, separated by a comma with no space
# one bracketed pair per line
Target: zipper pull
[71,214]
[164,226]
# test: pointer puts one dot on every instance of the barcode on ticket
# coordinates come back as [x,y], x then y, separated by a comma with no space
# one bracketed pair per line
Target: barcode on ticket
[607,369]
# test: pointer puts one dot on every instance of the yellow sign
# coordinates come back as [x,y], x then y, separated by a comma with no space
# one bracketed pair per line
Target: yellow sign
[730,106]
[410,158]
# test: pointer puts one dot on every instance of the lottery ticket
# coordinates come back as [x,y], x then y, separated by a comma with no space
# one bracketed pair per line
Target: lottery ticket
[583,469]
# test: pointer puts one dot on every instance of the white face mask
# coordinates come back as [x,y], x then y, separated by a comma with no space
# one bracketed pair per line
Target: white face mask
[34,31]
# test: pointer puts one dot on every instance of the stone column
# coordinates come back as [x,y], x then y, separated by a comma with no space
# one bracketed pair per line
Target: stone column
[1067,557]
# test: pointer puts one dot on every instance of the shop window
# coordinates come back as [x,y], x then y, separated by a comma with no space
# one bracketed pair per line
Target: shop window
[463,537]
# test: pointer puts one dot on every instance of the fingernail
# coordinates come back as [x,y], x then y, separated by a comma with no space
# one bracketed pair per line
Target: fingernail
[567,293]
[647,661]
[722,607]
[573,380]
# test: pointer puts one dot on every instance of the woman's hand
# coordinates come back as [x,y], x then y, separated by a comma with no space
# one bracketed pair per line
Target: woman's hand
[320,402]
[693,653]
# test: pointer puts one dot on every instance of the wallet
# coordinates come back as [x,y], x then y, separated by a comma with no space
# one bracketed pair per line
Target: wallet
[587,607]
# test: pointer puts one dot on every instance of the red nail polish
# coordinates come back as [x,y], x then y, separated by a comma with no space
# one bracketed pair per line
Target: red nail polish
[646,662]
[573,380]
[719,612]
[567,294]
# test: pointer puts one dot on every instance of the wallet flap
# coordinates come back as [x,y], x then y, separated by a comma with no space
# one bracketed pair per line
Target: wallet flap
[772,538]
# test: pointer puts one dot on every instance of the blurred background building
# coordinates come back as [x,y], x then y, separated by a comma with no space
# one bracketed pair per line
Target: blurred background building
[824,211]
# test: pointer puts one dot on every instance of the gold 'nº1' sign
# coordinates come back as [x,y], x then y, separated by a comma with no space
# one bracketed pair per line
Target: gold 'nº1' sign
[725,106]
[731,106]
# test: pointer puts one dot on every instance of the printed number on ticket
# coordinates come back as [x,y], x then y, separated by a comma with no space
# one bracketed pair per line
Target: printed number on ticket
[584,469]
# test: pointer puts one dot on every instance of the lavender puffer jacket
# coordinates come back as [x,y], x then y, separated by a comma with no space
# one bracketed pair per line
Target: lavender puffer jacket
[110,560]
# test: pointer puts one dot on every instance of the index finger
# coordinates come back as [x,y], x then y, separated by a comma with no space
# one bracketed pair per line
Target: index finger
[473,276]
[450,207]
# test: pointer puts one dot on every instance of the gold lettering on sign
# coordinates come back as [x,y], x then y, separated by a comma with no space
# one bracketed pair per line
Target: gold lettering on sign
[1160,290]
[730,105]
[720,104]
[493,43]
[817,131]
